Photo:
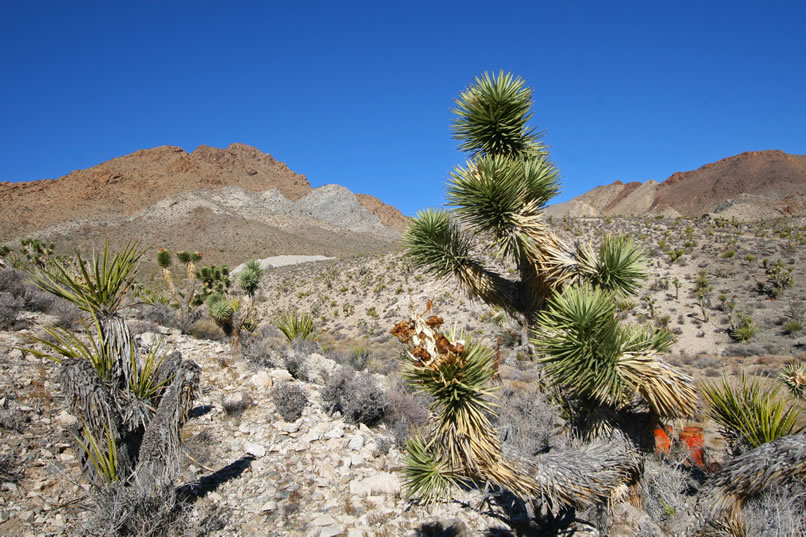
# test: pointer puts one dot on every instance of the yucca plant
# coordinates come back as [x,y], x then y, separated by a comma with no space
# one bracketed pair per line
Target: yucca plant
[463,448]
[749,414]
[606,371]
[99,286]
[793,376]
[184,301]
[498,196]
[110,388]
[295,325]
[234,313]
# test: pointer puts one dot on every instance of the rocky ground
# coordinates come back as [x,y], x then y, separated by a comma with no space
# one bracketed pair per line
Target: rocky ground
[256,474]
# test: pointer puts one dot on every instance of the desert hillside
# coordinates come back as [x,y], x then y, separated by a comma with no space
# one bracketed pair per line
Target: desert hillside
[228,203]
[749,186]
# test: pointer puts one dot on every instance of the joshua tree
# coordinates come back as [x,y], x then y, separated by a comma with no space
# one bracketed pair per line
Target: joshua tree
[184,301]
[497,198]
[232,314]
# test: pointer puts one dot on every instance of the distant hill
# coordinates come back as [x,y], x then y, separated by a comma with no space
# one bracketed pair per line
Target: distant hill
[749,186]
[228,203]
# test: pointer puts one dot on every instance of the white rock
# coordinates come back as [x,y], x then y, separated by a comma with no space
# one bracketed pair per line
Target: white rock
[289,427]
[66,418]
[335,432]
[331,531]
[323,520]
[270,505]
[381,483]
[356,459]
[356,442]
[280,375]
[255,449]
[355,533]
[261,380]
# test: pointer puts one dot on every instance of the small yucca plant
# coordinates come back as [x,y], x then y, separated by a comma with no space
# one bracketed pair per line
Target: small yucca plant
[295,325]
[748,413]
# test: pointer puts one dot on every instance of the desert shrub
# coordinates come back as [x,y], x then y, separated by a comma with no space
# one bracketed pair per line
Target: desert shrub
[793,376]
[793,328]
[10,308]
[742,328]
[406,414]
[161,314]
[260,349]
[66,313]
[526,421]
[778,512]
[290,400]
[144,511]
[357,396]
[206,329]
[666,487]
[294,362]
[11,281]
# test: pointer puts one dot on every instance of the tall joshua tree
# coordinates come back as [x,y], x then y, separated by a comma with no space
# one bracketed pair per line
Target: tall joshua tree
[496,199]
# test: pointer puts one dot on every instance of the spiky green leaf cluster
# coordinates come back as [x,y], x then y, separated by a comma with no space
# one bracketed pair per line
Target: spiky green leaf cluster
[164,259]
[143,382]
[97,285]
[186,257]
[593,358]
[492,116]
[435,244]
[64,343]
[619,267]
[104,459]
[750,413]
[501,197]
[249,277]
[220,307]
[295,325]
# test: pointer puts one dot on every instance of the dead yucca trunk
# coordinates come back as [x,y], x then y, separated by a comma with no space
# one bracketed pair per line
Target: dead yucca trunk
[747,476]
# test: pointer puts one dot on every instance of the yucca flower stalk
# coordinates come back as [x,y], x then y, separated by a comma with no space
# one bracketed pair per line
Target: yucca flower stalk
[498,197]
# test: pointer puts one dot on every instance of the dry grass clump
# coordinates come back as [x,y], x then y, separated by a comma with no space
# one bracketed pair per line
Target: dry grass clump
[356,395]
[290,400]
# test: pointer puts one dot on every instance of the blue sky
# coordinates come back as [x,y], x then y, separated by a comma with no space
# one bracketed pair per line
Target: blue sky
[360,93]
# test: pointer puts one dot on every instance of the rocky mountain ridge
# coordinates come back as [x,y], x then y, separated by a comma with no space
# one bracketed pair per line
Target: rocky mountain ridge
[748,186]
[219,200]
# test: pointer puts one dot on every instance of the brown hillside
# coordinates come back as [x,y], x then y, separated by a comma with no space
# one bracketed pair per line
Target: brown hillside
[131,183]
[752,185]
[387,214]
[773,175]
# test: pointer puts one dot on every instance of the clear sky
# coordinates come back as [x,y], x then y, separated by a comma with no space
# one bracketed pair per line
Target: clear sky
[360,93]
